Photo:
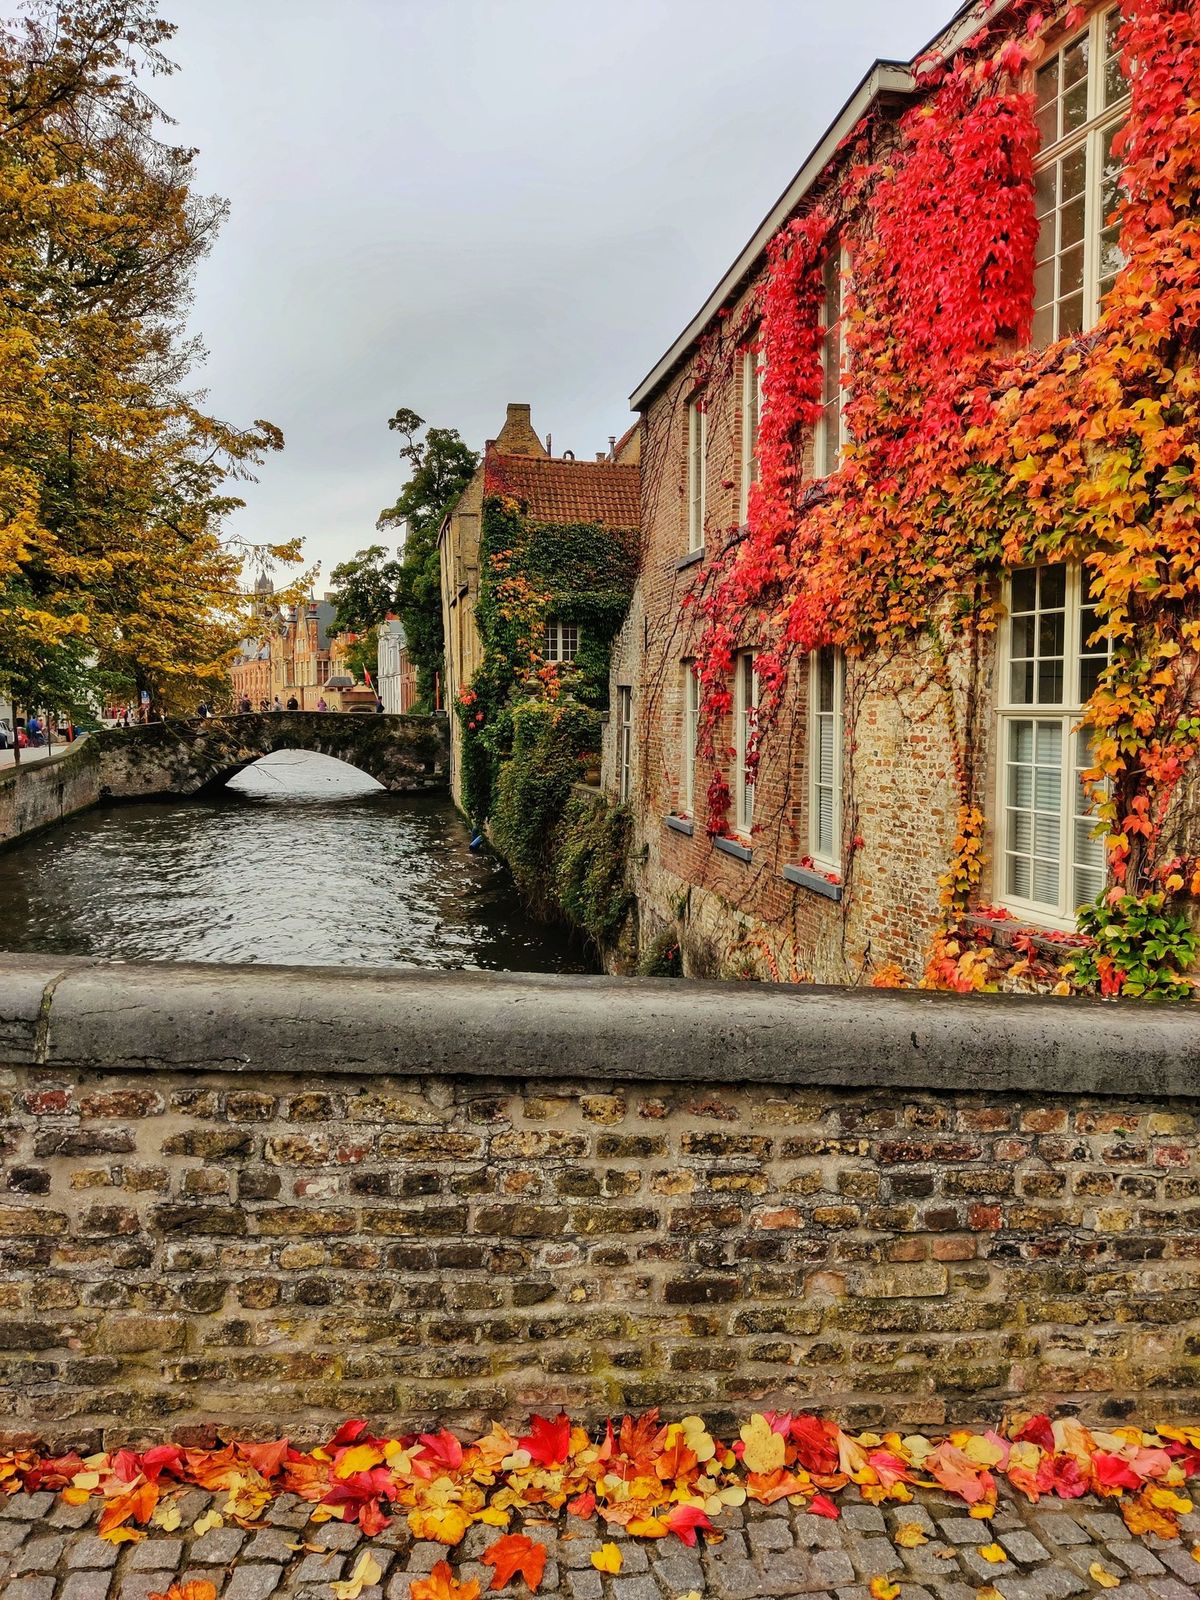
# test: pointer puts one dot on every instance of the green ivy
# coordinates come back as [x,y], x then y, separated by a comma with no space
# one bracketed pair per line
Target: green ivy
[1140,948]
[590,875]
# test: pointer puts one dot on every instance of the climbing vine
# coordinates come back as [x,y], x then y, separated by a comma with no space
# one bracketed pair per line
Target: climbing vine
[970,453]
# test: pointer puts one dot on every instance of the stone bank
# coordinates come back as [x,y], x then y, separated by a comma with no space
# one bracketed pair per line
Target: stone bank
[269,1198]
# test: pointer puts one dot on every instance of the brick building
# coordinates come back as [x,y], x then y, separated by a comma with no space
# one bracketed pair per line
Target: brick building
[553,491]
[292,655]
[829,865]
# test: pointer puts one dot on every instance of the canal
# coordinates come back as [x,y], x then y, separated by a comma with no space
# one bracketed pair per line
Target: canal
[300,859]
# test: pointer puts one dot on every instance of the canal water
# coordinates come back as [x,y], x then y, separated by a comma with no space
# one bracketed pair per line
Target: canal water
[300,859]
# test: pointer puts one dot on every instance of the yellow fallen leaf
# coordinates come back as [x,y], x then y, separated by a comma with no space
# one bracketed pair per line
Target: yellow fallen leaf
[75,1496]
[692,1594]
[210,1519]
[765,1449]
[910,1536]
[1102,1576]
[607,1559]
[883,1589]
[359,1458]
[1196,1552]
[992,1552]
[167,1516]
[125,1535]
[988,1592]
[366,1572]
[983,1510]
[1165,1500]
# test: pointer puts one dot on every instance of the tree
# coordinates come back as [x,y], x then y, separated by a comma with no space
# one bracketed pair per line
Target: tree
[442,466]
[114,482]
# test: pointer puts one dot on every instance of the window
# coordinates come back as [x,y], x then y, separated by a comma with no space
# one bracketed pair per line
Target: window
[745,711]
[561,641]
[697,470]
[752,376]
[691,730]
[1049,862]
[827,443]
[625,741]
[826,702]
[1082,101]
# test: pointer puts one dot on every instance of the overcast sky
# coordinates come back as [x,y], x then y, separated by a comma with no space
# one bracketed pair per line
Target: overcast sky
[450,204]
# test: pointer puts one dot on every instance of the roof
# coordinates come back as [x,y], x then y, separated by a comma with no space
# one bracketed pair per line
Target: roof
[896,78]
[557,490]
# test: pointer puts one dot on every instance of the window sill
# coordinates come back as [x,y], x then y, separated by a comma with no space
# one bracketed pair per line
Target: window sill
[681,825]
[690,559]
[1049,936]
[733,847]
[815,882]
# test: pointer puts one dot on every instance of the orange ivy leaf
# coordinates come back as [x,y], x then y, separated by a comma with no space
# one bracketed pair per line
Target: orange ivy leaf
[514,1553]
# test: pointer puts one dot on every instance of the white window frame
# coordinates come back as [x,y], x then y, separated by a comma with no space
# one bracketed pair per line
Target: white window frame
[690,736]
[554,641]
[625,741]
[745,725]
[1091,139]
[752,397]
[1076,821]
[826,857]
[835,270]
[697,471]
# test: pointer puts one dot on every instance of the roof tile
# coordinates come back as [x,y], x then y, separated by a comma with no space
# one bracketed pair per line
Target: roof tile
[555,490]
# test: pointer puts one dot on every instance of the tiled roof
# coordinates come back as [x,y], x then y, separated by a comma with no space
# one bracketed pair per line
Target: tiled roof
[554,490]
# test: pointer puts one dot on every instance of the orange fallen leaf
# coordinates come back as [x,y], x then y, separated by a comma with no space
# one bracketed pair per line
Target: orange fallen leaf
[607,1559]
[441,1584]
[883,1589]
[513,1553]
[1102,1576]
[1195,1552]
[910,1536]
[197,1589]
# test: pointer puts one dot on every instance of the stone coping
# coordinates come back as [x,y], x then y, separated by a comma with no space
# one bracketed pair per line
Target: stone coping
[60,1012]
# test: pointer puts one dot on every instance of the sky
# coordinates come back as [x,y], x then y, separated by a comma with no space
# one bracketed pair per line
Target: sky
[451,204]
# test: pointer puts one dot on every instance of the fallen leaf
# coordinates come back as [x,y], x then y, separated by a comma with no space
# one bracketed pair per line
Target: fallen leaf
[210,1519]
[883,1589]
[367,1571]
[444,1524]
[607,1559]
[515,1553]
[992,1552]
[1196,1552]
[197,1589]
[1102,1576]
[988,1592]
[910,1535]
[822,1506]
[441,1584]
[167,1517]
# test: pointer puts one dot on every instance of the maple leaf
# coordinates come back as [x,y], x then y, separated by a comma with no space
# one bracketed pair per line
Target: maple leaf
[607,1559]
[443,1524]
[514,1553]
[441,1584]
[765,1450]
[196,1589]
[136,1504]
[686,1521]
[548,1443]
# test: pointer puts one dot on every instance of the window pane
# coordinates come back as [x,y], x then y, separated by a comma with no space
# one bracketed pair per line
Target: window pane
[1050,683]
[1024,589]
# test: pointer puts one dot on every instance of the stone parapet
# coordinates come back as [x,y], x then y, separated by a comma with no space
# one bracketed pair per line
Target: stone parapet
[270,1198]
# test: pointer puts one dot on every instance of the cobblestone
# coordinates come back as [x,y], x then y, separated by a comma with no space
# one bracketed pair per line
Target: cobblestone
[776,1553]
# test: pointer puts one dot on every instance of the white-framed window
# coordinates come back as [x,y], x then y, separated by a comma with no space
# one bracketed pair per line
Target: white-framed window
[1049,863]
[752,389]
[625,741]
[1082,102]
[697,472]
[745,714]
[826,717]
[560,641]
[831,429]
[691,733]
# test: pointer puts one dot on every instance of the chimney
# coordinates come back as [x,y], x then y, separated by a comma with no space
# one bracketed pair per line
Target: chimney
[517,437]
[612,447]
[601,455]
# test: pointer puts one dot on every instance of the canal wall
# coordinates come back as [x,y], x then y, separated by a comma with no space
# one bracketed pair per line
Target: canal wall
[271,1198]
[405,754]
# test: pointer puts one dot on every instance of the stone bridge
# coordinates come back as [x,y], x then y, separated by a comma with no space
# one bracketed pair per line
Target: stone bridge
[189,757]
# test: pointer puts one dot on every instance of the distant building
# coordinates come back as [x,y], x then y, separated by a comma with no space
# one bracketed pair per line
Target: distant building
[396,677]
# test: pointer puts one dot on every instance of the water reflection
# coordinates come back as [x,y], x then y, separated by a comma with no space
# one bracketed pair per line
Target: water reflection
[300,859]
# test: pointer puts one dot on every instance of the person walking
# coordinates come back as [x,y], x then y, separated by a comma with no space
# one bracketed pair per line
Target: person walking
[321,705]
[293,704]
[277,704]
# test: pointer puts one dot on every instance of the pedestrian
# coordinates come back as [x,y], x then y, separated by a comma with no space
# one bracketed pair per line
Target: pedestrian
[277,704]
[321,706]
[33,729]
[125,716]
[244,705]
[378,706]
[293,704]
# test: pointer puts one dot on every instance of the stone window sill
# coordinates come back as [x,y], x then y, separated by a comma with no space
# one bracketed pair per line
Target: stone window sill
[681,825]
[734,848]
[1004,932]
[815,882]
[690,559]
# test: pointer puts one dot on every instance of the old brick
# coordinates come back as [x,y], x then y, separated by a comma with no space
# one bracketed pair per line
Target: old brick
[631,1146]
[211,1144]
[136,1335]
[200,1220]
[84,1142]
[26,1222]
[430,1146]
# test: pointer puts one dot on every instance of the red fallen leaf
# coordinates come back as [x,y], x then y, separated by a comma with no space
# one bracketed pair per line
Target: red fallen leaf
[266,1458]
[1036,1431]
[1114,1472]
[583,1506]
[816,1443]
[349,1431]
[162,1458]
[126,1466]
[822,1506]
[137,1504]
[686,1521]
[513,1553]
[637,1439]
[1067,1478]
[548,1442]
[445,1449]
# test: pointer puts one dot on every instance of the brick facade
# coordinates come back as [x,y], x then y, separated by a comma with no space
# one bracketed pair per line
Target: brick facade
[283,1250]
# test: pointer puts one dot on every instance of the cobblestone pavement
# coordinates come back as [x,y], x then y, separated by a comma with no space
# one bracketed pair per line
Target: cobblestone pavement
[50,1551]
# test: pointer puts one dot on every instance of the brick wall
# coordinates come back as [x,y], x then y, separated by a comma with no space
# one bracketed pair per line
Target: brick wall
[278,1250]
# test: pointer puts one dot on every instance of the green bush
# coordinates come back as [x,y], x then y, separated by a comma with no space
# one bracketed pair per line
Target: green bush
[590,869]
[1140,949]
